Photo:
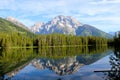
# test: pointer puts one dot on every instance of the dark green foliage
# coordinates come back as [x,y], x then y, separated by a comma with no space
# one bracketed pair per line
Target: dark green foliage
[68,40]
[17,39]
[116,40]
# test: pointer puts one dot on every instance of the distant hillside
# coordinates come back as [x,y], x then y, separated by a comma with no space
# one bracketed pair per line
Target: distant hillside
[67,25]
[16,22]
[9,27]
[88,30]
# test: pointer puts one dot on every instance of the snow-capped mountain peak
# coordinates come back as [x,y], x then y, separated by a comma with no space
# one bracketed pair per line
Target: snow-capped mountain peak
[67,20]
[36,27]
[60,24]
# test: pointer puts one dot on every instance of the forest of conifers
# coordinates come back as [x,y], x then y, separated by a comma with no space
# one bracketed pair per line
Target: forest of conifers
[16,39]
[20,40]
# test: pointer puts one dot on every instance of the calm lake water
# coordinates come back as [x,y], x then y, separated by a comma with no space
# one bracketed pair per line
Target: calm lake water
[62,63]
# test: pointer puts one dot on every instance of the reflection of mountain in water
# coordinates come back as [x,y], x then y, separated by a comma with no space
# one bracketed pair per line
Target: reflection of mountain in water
[67,65]
[61,66]
[15,71]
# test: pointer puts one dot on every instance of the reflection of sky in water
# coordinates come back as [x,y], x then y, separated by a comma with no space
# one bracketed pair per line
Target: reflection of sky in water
[86,72]
[100,64]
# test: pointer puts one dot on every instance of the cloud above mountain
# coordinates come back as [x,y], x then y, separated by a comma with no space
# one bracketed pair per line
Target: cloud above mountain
[104,14]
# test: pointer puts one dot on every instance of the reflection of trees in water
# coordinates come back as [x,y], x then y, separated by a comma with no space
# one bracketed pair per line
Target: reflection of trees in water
[61,52]
[114,73]
[10,59]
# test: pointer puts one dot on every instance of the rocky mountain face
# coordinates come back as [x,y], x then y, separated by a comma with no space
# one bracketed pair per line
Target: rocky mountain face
[36,27]
[67,25]
[60,24]
[16,22]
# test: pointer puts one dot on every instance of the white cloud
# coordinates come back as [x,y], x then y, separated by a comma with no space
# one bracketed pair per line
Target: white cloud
[87,11]
[105,2]
[103,23]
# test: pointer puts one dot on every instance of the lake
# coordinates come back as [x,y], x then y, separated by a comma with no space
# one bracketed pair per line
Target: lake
[60,63]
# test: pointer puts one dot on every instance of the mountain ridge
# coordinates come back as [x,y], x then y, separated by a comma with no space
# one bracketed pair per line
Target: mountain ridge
[10,27]
[16,22]
[68,25]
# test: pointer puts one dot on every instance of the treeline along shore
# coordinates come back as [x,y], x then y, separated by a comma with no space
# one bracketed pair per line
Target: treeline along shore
[20,40]
[51,40]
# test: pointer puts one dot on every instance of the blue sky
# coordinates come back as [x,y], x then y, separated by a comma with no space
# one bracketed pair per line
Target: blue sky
[103,14]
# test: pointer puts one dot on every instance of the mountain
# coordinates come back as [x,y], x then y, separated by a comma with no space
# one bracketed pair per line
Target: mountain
[10,27]
[36,27]
[88,30]
[16,22]
[60,24]
[67,25]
